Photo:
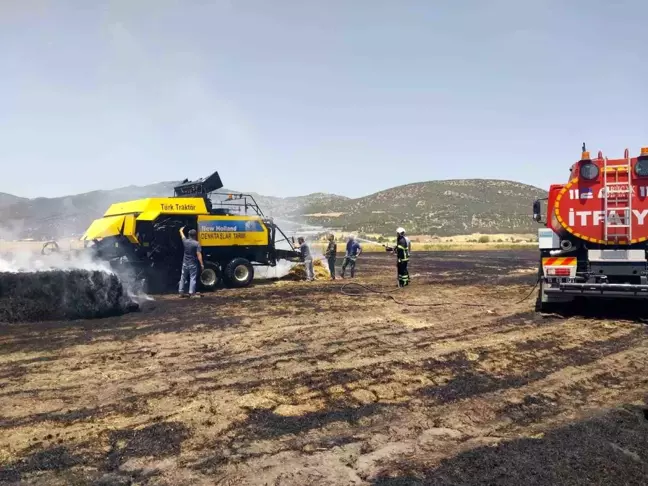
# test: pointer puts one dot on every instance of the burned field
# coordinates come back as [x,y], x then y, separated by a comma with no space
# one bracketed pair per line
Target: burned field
[292,383]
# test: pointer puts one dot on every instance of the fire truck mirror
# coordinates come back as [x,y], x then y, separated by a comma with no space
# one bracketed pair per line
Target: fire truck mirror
[537,211]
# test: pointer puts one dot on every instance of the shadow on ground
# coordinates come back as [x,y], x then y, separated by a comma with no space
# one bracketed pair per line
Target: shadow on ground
[609,449]
[78,466]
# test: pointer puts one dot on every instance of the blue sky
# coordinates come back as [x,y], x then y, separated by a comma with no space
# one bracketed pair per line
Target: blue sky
[289,97]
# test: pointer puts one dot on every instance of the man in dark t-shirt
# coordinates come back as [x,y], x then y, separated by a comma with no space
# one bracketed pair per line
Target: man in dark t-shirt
[331,254]
[192,262]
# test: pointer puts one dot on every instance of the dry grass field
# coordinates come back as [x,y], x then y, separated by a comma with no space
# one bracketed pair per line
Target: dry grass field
[295,383]
[458,243]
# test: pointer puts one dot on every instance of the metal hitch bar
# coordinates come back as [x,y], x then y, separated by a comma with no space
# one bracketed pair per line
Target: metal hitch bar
[610,290]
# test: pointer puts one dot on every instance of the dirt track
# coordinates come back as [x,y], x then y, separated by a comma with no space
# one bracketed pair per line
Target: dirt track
[296,384]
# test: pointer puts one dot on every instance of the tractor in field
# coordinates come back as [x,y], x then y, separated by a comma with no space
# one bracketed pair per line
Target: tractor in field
[143,236]
[595,236]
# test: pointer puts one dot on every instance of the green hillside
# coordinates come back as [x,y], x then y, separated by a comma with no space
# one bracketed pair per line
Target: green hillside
[441,208]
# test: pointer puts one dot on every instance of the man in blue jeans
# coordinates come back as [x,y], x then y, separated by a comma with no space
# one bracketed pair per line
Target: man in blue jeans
[353,251]
[307,258]
[192,263]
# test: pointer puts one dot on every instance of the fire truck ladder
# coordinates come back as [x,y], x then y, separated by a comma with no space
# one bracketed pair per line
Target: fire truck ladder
[618,198]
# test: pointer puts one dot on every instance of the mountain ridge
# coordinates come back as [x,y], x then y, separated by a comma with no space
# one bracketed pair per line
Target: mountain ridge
[7,199]
[442,208]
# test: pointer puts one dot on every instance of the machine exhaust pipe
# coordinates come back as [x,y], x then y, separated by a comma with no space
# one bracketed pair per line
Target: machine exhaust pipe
[566,246]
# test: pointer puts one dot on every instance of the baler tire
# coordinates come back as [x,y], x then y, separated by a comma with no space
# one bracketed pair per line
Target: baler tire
[210,277]
[50,247]
[239,273]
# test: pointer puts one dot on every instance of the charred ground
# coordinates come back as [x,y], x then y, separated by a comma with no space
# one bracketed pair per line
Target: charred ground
[294,383]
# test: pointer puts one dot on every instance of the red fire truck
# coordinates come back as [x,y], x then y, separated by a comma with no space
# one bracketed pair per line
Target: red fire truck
[595,236]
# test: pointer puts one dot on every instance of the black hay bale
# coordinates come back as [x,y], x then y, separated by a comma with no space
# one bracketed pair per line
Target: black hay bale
[61,295]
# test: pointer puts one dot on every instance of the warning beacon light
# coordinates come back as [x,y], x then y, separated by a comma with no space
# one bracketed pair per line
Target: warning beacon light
[641,167]
[588,169]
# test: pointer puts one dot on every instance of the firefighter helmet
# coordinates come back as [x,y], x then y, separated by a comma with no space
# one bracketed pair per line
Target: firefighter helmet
[400,231]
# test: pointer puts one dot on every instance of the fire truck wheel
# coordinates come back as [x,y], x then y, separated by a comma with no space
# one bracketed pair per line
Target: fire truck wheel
[210,276]
[546,307]
[239,273]
[539,305]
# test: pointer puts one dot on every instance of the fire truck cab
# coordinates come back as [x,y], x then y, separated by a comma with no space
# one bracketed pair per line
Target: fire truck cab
[594,238]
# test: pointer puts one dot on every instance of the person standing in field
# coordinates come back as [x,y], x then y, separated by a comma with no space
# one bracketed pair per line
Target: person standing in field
[307,258]
[402,252]
[331,255]
[192,262]
[353,251]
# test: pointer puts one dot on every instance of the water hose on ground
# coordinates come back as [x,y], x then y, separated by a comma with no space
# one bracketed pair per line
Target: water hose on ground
[388,294]
[535,286]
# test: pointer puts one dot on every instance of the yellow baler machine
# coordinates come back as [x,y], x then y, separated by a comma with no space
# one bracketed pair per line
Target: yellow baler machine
[122,219]
[144,235]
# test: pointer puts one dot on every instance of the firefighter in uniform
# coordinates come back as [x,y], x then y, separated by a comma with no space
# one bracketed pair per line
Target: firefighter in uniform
[402,252]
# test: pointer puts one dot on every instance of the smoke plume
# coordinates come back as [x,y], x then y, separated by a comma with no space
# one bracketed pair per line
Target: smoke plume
[61,285]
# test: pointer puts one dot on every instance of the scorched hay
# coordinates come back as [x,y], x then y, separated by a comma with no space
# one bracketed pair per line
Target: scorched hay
[61,294]
[298,272]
